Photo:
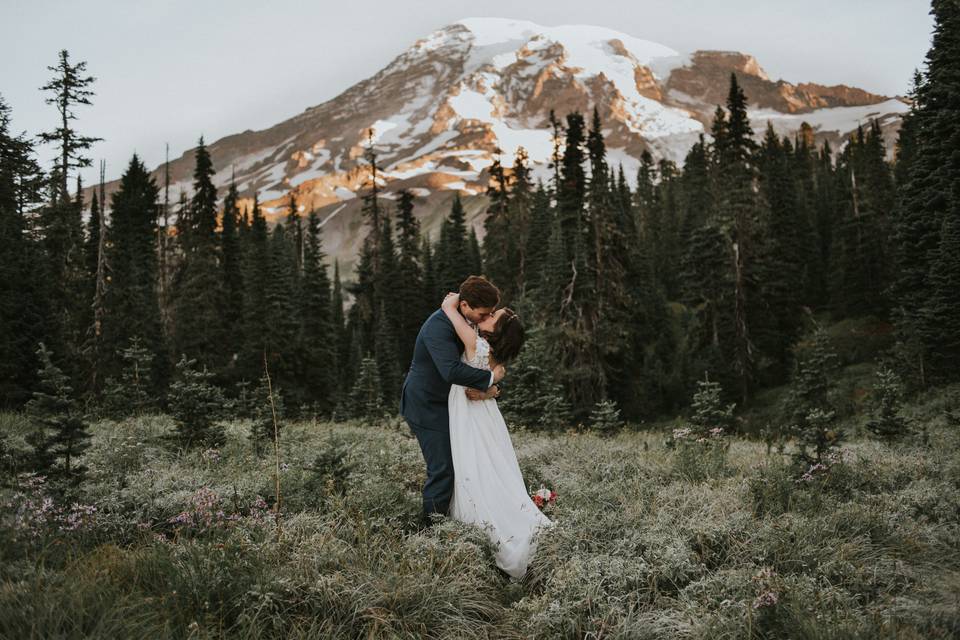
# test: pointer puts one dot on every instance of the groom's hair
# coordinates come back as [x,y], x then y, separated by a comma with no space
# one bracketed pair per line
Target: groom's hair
[477,291]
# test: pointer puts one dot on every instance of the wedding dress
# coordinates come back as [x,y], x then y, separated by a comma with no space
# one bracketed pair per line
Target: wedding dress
[488,487]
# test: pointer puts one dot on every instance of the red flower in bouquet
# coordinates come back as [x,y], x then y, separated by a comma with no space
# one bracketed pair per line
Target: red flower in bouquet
[543,497]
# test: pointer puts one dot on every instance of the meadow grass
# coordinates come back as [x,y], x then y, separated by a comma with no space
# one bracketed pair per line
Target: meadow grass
[184,544]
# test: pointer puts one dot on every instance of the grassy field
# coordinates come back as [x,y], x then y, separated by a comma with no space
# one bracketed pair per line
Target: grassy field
[185,545]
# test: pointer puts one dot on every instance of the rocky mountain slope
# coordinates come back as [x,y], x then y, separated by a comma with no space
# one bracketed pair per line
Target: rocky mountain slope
[440,111]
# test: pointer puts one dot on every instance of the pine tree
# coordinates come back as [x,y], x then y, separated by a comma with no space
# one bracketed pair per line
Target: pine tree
[198,284]
[62,434]
[23,294]
[318,336]
[256,273]
[132,394]
[408,288]
[886,422]
[533,396]
[340,334]
[810,411]
[69,88]
[196,404]
[366,399]
[605,418]
[232,270]
[386,357]
[131,306]
[709,411]
[281,315]
[453,247]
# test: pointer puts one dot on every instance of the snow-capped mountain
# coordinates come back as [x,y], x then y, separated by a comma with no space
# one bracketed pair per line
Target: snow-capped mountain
[442,108]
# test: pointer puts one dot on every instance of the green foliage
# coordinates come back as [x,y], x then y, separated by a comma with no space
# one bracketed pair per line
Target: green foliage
[366,399]
[810,413]
[532,396]
[196,405]
[61,432]
[267,415]
[605,418]
[131,394]
[887,423]
[709,412]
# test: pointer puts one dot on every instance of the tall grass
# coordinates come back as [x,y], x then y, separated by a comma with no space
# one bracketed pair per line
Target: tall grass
[183,543]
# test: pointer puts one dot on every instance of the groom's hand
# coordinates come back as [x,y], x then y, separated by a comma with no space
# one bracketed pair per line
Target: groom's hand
[473,394]
[498,372]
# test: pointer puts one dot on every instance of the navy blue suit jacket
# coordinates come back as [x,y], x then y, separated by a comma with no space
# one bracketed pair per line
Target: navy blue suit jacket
[435,367]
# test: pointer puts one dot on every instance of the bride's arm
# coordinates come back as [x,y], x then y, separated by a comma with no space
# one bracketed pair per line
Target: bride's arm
[464,331]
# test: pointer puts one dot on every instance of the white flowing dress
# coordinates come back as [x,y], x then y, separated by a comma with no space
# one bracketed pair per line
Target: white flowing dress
[488,487]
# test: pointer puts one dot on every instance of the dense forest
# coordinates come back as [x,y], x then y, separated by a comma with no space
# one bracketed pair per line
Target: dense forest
[713,271]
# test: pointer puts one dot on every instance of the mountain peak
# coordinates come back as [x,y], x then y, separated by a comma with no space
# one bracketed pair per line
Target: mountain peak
[447,106]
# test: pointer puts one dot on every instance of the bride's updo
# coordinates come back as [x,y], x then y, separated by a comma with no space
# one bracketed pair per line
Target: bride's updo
[507,336]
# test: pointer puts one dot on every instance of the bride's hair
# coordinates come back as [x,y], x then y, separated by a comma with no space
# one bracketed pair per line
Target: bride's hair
[507,336]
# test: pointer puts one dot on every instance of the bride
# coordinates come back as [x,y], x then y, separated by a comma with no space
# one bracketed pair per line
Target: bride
[488,487]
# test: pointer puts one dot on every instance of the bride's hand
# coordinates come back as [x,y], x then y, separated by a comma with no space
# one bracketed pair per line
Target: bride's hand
[451,301]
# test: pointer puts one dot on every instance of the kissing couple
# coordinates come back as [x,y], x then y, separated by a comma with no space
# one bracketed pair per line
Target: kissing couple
[449,399]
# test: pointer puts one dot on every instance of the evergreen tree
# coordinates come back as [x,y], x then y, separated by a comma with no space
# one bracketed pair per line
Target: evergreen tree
[410,309]
[386,357]
[281,315]
[256,274]
[23,300]
[366,400]
[68,88]
[318,335]
[887,423]
[132,394]
[232,270]
[810,410]
[605,418]
[452,268]
[341,337]
[131,305]
[196,404]
[198,284]
[62,434]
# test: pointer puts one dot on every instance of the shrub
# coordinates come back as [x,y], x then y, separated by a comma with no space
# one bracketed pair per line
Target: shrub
[605,418]
[196,404]
[886,422]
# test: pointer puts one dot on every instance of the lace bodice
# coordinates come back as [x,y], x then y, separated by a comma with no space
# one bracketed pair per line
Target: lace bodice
[481,359]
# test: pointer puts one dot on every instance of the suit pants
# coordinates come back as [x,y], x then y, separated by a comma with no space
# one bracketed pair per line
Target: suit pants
[438,489]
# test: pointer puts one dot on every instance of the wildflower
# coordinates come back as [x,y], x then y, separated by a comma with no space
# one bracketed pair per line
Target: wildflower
[765,599]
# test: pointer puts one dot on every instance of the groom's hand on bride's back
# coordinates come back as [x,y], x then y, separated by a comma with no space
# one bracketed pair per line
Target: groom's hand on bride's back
[498,372]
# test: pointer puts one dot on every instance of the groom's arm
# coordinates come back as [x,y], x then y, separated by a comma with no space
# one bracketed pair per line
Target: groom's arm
[442,348]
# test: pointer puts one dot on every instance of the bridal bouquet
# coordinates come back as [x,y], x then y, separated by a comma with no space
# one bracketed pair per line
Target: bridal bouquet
[543,497]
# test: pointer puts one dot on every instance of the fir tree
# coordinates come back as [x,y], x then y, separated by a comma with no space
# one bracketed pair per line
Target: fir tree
[256,274]
[408,288]
[232,270]
[198,284]
[196,404]
[452,268]
[62,434]
[132,394]
[887,423]
[319,346]
[605,418]
[131,306]
[23,294]
[69,88]
[366,399]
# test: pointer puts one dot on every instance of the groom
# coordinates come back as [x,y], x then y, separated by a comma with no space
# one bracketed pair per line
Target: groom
[435,367]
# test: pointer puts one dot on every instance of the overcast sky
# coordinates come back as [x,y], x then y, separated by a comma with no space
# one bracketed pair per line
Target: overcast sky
[171,70]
